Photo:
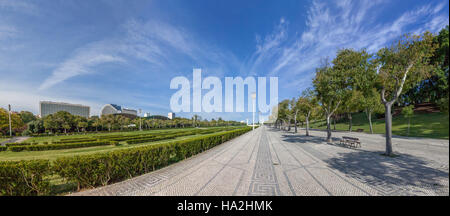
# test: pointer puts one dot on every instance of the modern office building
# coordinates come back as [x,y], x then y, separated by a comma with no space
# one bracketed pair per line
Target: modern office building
[116,109]
[171,115]
[48,107]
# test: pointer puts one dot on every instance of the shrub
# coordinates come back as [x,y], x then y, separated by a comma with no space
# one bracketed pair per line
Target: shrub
[24,178]
[3,148]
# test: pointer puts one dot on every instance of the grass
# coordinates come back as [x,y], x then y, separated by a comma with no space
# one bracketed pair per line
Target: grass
[430,125]
[3,139]
[53,154]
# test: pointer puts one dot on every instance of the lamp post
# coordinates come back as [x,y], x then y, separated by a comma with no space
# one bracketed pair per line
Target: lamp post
[253,101]
[9,114]
[140,120]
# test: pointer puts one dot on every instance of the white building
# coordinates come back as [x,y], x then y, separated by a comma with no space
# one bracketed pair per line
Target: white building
[116,109]
[147,114]
[171,115]
[47,107]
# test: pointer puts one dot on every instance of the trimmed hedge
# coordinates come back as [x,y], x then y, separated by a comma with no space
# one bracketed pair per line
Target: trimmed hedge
[104,168]
[16,144]
[3,148]
[59,146]
[24,178]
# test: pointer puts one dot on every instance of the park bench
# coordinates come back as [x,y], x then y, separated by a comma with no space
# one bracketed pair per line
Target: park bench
[350,141]
[359,130]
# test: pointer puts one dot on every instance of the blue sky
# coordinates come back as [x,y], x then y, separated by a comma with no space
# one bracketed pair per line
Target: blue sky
[126,52]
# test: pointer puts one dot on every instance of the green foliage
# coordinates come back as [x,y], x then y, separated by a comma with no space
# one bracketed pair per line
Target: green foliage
[408,111]
[57,146]
[24,178]
[102,169]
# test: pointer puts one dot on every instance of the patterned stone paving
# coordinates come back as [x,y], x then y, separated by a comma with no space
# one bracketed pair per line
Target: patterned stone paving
[277,163]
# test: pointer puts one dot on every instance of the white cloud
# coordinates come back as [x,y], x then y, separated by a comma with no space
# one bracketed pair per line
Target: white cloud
[329,26]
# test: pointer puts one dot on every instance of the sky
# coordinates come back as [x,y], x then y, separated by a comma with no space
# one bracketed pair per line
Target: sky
[126,52]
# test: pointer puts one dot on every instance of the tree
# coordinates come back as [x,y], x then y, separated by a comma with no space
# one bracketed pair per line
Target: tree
[401,66]
[307,106]
[27,116]
[331,86]
[408,112]
[371,104]
[17,124]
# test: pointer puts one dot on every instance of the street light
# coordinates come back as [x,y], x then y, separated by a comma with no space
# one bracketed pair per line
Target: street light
[9,114]
[253,101]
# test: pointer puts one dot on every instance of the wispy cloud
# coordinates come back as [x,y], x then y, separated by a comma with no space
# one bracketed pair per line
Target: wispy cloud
[330,26]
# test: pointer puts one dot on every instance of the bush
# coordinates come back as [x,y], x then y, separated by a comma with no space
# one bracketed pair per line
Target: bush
[104,168]
[24,178]
[3,148]
[57,146]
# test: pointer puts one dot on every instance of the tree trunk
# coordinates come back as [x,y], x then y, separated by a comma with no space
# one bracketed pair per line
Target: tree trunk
[329,129]
[307,125]
[369,116]
[349,122]
[388,123]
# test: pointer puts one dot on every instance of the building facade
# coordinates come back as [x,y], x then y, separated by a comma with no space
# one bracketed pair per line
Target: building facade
[109,109]
[48,107]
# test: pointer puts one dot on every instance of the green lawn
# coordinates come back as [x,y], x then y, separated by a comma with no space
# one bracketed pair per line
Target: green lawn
[431,125]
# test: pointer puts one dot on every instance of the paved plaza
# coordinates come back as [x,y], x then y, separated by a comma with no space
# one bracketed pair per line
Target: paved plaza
[268,161]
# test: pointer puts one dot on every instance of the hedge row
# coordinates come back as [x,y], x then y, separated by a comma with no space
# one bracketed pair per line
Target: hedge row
[3,148]
[30,177]
[74,141]
[22,178]
[104,168]
[16,144]
[59,146]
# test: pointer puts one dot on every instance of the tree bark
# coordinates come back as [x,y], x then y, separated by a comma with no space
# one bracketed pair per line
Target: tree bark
[307,124]
[369,116]
[295,122]
[329,129]
[350,122]
[334,122]
[388,123]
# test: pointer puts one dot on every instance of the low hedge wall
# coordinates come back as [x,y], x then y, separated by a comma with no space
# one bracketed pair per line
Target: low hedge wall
[16,144]
[3,148]
[58,146]
[24,178]
[104,168]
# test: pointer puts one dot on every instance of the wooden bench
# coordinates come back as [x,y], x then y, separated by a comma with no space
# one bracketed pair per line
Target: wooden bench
[359,130]
[350,141]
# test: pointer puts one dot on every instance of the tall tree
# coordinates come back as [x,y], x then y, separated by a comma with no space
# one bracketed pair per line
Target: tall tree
[401,66]
[307,106]
[331,86]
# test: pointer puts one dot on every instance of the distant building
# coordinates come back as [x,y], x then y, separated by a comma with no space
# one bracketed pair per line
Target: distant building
[47,107]
[147,115]
[171,115]
[114,109]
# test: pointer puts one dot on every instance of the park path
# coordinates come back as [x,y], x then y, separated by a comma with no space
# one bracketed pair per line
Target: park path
[272,162]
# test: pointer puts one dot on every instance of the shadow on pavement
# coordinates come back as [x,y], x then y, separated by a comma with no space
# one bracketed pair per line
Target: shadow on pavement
[376,169]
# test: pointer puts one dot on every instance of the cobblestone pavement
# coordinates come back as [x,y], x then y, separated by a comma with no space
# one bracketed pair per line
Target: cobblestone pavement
[272,162]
